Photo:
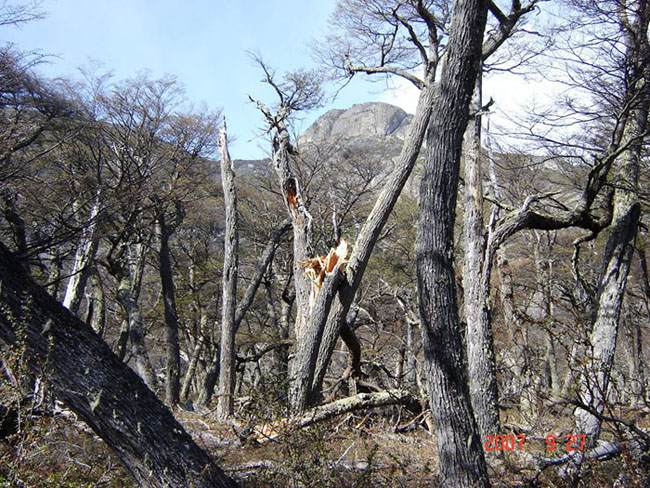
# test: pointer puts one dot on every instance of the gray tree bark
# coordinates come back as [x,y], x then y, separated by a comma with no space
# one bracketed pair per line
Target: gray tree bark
[99,388]
[262,267]
[173,360]
[85,253]
[301,221]
[225,402]
[307,354]
[96,299]
[476,282]
[635,361]
[462,463]
[371,230]
[194,358]
[126,268]
[385,202]
[619,250]
[544,269]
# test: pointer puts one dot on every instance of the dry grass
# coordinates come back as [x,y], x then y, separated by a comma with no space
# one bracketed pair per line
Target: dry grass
[362,450]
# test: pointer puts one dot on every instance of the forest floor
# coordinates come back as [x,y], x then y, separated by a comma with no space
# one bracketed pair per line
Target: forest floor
[367,449]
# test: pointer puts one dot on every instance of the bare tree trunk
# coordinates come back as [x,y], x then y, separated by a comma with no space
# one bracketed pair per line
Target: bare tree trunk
[83,257]
[210,378]
[629,387]
[264,263]
[301,224]
[374,224]
[620,248]
[99,388]
[307,354]
[371,230]
[358,402]
[616,265]
[124,268]
[96,315]
[411,356]
[476,281]
[225,402]
[462,463]
[173,360]
[282,328]
[412,320]
[194,358]
[622,233]
[517,357]
[544,268]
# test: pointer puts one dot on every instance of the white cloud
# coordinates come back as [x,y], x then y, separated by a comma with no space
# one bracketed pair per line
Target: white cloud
[401,93]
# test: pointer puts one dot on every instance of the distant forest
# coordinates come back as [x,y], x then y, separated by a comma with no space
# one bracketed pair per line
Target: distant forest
[386,300]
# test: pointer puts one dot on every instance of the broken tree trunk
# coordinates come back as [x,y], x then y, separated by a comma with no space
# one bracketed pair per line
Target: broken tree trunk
[225,402]
[305,362]
[362,401]
[371,230]
[301,221]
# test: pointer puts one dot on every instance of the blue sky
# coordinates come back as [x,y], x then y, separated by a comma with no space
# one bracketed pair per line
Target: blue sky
[202,42]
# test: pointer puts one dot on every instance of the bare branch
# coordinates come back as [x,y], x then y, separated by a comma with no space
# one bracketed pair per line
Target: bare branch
[506,25]
[20,14]
[386,69]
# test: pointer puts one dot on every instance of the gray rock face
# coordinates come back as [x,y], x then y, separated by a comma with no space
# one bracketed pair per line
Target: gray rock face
[367,120]
[371,131]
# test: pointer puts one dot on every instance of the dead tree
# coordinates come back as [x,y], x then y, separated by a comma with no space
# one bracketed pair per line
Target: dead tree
[225,400]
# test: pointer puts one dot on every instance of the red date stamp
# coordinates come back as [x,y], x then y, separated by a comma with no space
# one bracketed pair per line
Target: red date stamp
[573,442]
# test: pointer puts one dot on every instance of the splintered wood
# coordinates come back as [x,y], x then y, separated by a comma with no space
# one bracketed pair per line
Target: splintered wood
[320,266]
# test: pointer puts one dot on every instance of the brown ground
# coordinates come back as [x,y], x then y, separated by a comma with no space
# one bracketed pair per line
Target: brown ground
[362,450]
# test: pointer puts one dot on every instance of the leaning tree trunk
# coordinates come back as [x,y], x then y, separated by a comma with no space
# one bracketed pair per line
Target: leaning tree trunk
[101,390]
[621,238]
[371,230]
[262,267]
[460,450]
[374,224]
[225,402]
[476,283]
[617,257]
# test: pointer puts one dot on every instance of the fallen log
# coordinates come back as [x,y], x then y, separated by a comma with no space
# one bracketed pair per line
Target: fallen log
[272,430]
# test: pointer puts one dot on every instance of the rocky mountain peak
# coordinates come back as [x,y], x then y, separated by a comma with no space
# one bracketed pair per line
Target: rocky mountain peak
[366,120]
